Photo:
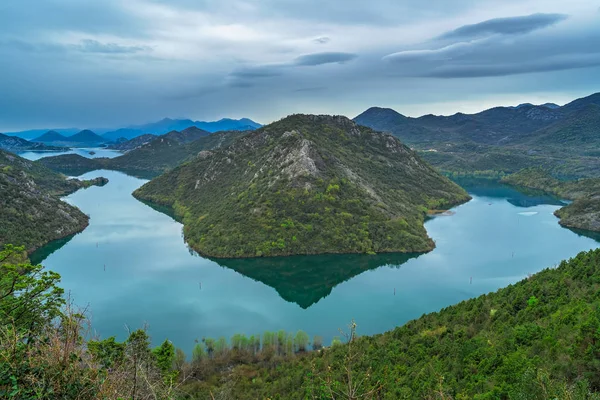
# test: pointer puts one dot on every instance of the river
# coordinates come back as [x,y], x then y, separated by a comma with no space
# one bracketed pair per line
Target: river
[131,268]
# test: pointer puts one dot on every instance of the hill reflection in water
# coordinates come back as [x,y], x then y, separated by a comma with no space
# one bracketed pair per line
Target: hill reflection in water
[305,280]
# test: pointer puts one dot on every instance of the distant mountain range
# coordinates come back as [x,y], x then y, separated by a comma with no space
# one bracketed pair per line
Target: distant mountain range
[123,144]
[167,125]
[147,155]
[551,106]
[15,144]
[156,128]
[502,139]
[85,138]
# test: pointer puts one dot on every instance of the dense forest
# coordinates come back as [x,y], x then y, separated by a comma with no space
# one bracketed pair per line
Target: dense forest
[536,339]
[31,211]
[305,185]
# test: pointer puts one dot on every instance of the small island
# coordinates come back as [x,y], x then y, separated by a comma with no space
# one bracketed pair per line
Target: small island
[307,184]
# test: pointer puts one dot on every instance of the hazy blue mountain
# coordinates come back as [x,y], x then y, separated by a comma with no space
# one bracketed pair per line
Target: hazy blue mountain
[227,124]
[127,145]
[187,135]
[15,143]
[551,106]
[85,138]
[34,133]
[167,125]
[125,133]
[50,136]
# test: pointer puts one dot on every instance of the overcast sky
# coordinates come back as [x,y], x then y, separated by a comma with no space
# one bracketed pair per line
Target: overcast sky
[110,63]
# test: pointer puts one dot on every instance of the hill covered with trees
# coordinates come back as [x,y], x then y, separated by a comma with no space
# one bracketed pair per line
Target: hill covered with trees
[152,158]
[31,212]
[502,140]
[307,184]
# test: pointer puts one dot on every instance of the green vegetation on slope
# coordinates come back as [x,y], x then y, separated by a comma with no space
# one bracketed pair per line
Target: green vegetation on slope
[536,339]
[305,185]
[502,140]
[583,213]
[14,143]
[531,340]
[153,158]
[31,211]
[131,144]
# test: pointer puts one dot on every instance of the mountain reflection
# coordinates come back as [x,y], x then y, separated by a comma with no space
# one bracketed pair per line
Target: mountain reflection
[305,280]
[39,255]
[522,197]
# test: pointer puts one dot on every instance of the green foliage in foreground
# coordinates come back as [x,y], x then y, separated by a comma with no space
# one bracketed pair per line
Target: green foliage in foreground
[537,339]
[305,185]
[583,213]
[29,296]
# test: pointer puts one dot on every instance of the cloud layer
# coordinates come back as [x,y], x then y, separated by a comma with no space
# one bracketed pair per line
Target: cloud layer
[505,26]
[113,63]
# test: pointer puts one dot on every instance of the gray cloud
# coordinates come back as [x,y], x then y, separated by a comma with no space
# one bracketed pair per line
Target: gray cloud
[242,77]
[474,71]
[340,12]
[310,60]
[505,26]
[499,52]
[441,54]
[259,71]
[322,40]
[310,89]
[94,46]
[85,46]
[196,57]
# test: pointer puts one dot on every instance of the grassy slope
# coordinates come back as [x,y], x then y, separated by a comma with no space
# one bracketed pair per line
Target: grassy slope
[305,185]
[525,341]
[31,212]
[582,213]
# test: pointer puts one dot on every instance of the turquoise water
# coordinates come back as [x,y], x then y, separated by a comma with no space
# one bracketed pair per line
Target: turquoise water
[85,152]
[131,267]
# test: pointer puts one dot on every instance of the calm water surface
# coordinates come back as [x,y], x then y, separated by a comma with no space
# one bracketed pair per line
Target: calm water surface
[85,152]
[131,267]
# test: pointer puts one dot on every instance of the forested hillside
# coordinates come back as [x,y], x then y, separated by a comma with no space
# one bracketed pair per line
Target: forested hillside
[536,339]
[31,212]
[502,140]
[305,185]
[150,159]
